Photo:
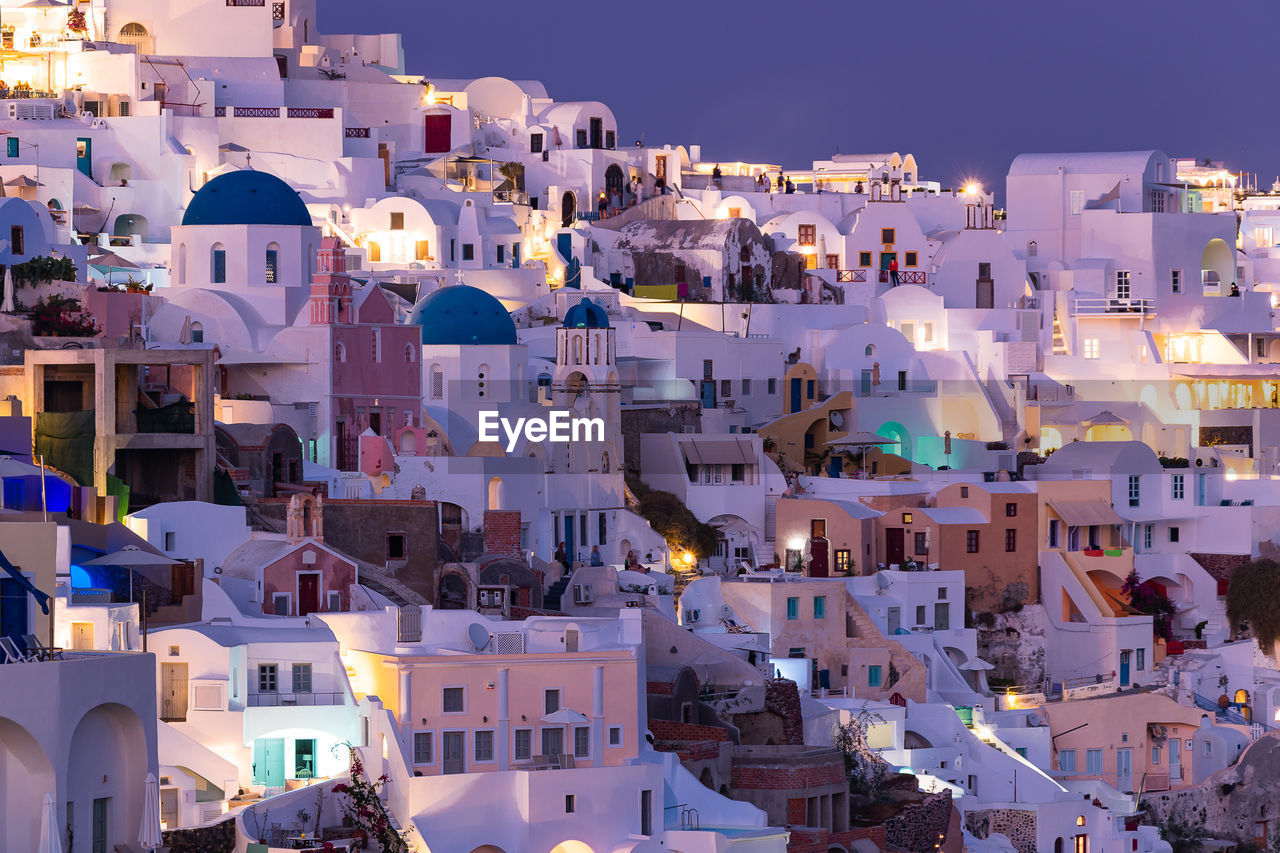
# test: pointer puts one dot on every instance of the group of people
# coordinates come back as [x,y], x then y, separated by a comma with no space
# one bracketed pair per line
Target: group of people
[596,559]
[614,201]
[764,185]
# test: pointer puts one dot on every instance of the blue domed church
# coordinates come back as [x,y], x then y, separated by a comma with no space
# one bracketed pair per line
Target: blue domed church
[248,233]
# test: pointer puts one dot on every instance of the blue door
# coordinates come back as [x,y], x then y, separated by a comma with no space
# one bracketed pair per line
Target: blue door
[84,156]
[865,389]
[1124,667]
[795,395]
[268,762]
[564,245]
[515,256]
[708,394]
[568,537]
[835,466]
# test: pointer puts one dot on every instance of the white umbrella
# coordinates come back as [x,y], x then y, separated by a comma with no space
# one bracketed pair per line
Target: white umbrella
[976,665]
[129,557]
[8,306]
[149,835]
[50,837]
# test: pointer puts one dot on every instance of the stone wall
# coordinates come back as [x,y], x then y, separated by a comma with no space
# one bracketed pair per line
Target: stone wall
[218,838]
[1018,825]
[637,420]
[922,825]
[1014,644]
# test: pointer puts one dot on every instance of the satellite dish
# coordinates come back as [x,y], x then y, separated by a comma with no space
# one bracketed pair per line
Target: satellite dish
[803,481]
[478,635]
[837,420]
[881,581]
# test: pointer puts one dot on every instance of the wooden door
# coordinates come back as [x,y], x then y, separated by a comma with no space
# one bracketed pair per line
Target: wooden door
[438,133]
[82,636]
[268,762]
[169,806]
[985,294]
[454,761]
[818,562]
[308,594]
[173,692]
[894,546]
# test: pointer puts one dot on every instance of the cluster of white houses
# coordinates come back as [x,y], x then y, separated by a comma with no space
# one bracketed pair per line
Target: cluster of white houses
[926,476]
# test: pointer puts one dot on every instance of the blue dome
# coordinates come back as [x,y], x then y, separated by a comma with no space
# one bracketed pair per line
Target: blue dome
[246,197]
[586,315]
[463,315]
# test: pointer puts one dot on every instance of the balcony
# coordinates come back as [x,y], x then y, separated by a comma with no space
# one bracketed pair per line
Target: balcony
[275,700]
[1114,307]
[851,276]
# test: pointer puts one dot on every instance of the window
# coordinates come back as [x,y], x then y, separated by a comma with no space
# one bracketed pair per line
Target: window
[1178,486]
[971,541]
[1067,760]
[550,701]
[874,674]
[615,735]
[1155,755]
[1093,762]
[218,261]
[375,344]
[864,259]
[808,235]
[535,143]
[581,138]
[570,801]
[468,251]
[1135,490]
[1208,747]
[920,615]
[819,607]
[581,741]
[793,609]
[272,262]
[453,700]
[484,745]
[773,386]
[726,387]
[12,144]
[746,387]
[422,748]
[984,269]
[302,678]
[1010,510]
[1175,279]
[610,139]
[266,678]
[1122,284]
[523,744]
[906,518]
[553,741]
[902,380]
[502,253]
[844,560]
[1157,201]
[334,598]
[1053,533]
[922,542]
[422,250]
[912,259]
[1147,530]
[1090,349]
[646,812]
[1010,540]
[1077,202]
[397,221]
[1142,659]
[942,593]
[1173,534]
[280,603]
[437,382]
[887,235]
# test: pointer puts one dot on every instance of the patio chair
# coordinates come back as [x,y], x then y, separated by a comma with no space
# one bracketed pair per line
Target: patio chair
[10,651]
[42,651]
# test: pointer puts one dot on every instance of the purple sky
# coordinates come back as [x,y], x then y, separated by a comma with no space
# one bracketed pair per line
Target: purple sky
[963,84]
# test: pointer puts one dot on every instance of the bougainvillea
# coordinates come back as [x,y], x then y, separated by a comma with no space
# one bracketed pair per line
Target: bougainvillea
[362,804]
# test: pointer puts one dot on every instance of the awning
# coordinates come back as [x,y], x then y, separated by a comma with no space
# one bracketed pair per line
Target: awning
[718,451]
[1086,513]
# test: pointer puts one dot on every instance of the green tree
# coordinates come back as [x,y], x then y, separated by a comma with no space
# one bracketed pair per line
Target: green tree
[1254,597]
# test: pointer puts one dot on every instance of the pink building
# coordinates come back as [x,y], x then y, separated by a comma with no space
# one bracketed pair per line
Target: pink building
[375,373]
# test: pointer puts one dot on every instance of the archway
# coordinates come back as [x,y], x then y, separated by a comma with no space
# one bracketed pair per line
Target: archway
[568,209]
[899,435]
[705,778]
[135,34]
[131,225]
[1050,439]
[495,493]
[1217,267]
[453,591]
[408,443]
[613,180]
[26,775]
[108,743]
[572,847]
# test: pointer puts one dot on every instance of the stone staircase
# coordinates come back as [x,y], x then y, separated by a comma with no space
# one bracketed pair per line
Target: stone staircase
[551,598]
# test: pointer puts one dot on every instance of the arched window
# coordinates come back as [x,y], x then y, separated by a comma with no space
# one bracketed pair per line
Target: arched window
[410,353]
[273,263]
[577,349]
[495,493]
[340,352]
[604,464]
[599,336]
[869,351]
[135,34]
[218,264]
[197,332]
[437,382]
[182,263]
[376,346]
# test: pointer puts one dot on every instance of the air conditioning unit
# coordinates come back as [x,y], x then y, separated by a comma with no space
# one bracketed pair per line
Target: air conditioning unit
[583,594]
[693,615]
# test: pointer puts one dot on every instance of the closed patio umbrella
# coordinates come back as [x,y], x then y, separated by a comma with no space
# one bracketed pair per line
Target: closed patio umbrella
[8,306]
[149,835]
[50,837]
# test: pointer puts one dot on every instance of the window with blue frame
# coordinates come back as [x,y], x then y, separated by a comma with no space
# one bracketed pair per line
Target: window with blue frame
[11,145]
[874,674]
[819,607]
[793,609]
[1142,659]
[218,275]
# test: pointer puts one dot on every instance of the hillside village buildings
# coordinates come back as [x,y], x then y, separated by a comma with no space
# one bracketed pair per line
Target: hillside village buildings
[908,522]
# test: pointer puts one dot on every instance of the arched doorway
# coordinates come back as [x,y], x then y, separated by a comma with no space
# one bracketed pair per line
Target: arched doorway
[26,775]
[1217,268]
[495,493]
[899,435]
[454,590]
[108,742]
[130,225]
[568,209]
[613,181]
[705,778]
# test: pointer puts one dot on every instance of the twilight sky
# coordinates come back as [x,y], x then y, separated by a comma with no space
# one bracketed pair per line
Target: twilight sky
[963,84]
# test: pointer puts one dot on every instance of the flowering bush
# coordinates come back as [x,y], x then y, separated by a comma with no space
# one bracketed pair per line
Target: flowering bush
[76,21]
[60,317]
[362,805]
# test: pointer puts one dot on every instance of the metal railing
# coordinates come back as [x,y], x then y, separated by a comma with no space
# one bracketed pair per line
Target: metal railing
[356,133]
[1114,305]
[256,112]
[277,11]
[309,112]
[906,277]
[273,700]
[851,276]
[246,2]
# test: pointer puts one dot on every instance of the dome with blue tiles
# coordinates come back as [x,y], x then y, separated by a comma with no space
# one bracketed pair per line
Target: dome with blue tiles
[246,197]
[461,315]
[586,315]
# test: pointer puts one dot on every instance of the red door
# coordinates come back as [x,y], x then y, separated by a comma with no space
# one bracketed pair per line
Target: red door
[308,594]
[818,567]
[438,134]
[894,546]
